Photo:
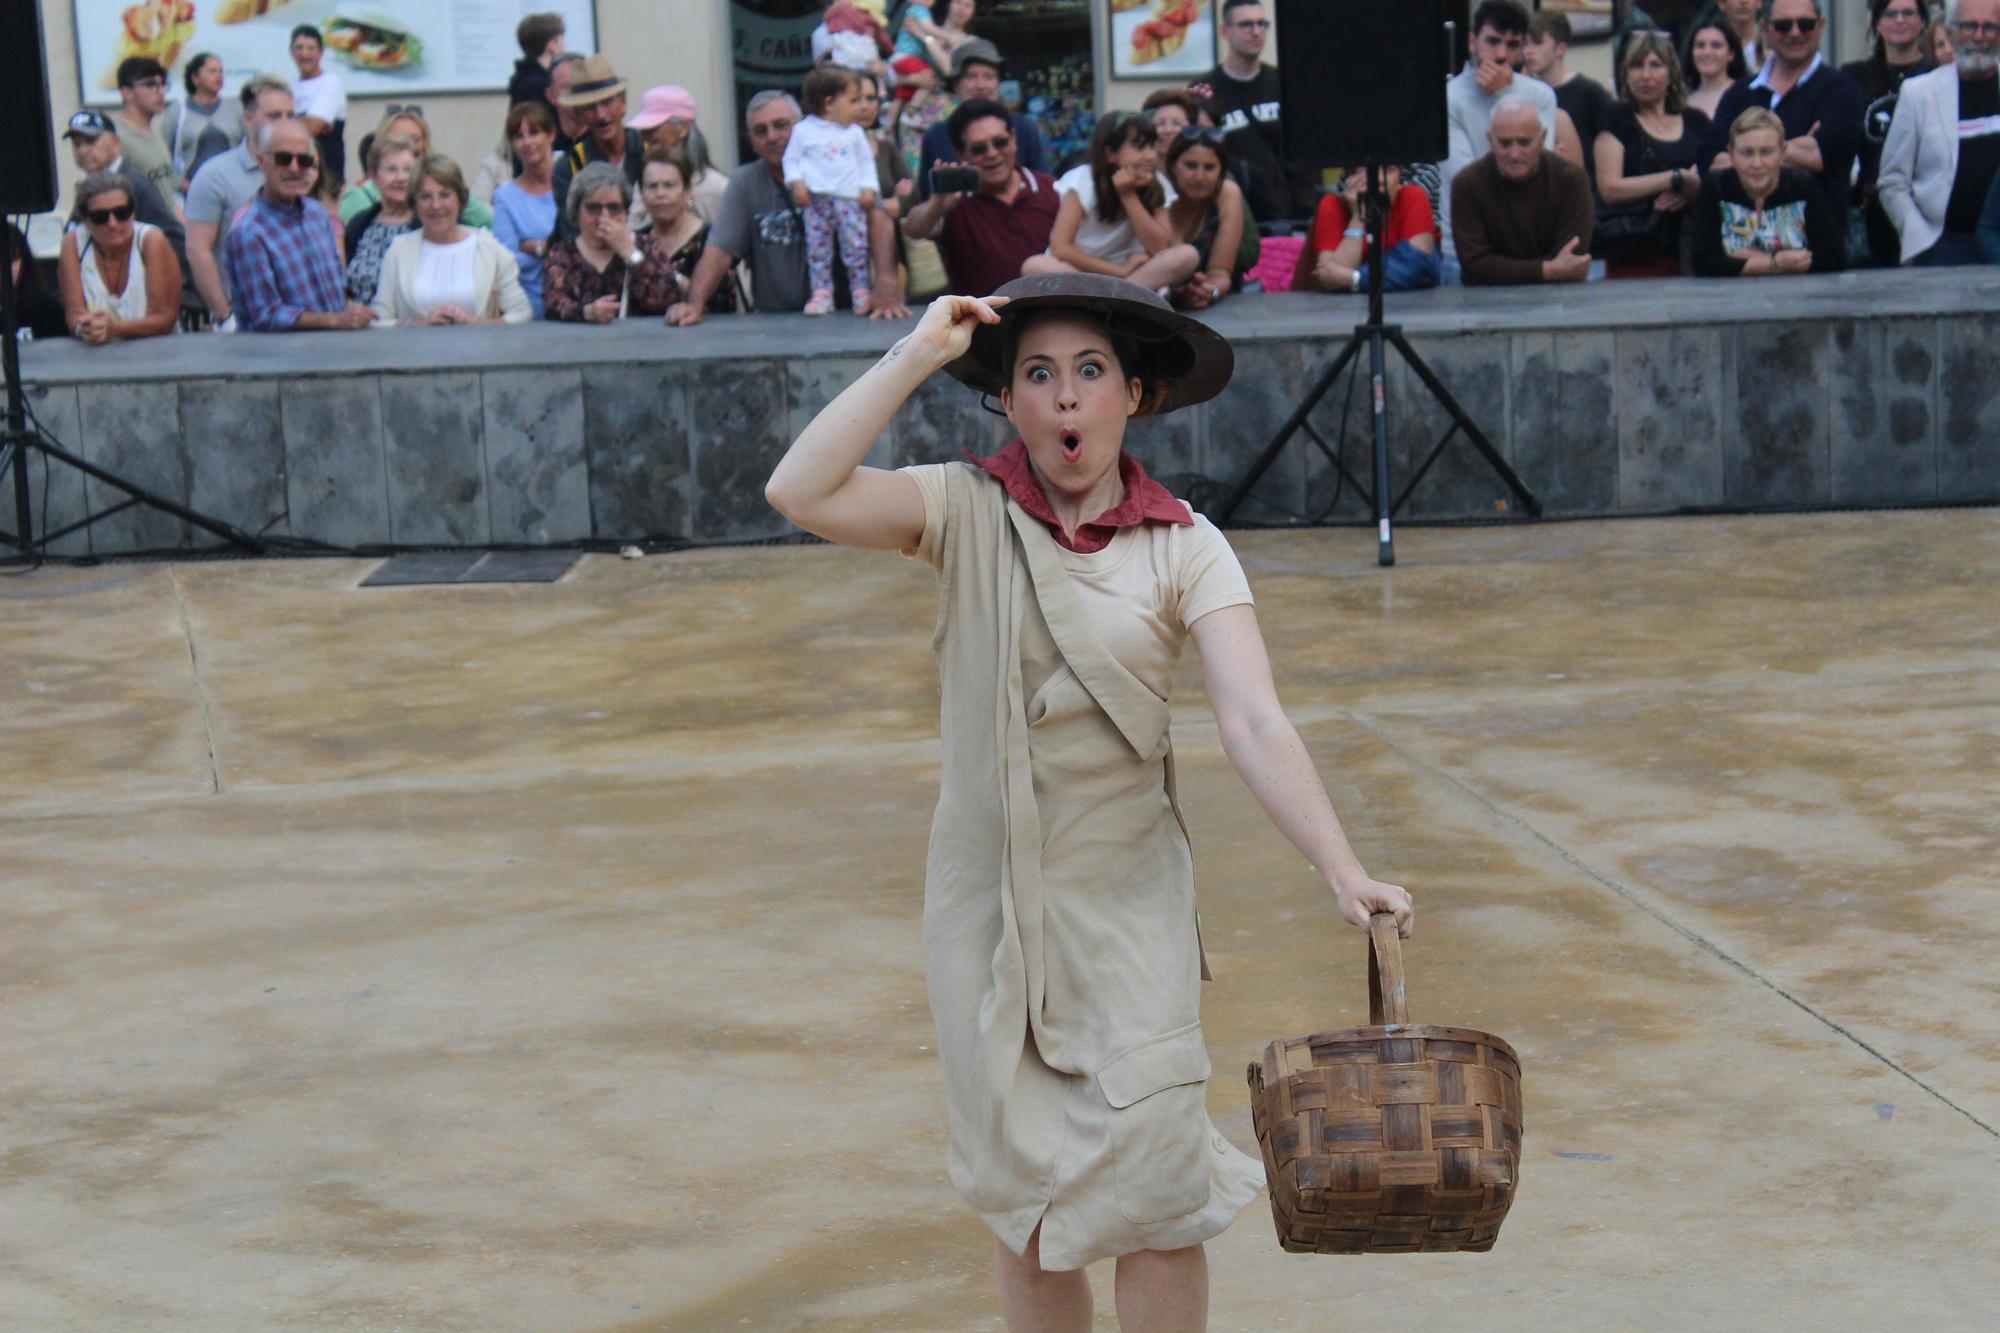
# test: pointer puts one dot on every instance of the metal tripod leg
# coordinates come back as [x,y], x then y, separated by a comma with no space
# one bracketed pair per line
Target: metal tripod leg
[1464,423]
[1378,401]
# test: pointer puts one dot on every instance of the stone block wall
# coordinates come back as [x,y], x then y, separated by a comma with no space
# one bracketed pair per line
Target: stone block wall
[536,435]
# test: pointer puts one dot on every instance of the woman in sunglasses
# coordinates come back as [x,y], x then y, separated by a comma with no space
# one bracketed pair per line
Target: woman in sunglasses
[1208,213]
[119,277]
[605,270]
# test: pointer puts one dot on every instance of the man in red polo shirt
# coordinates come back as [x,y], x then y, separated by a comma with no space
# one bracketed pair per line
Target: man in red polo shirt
[987,235]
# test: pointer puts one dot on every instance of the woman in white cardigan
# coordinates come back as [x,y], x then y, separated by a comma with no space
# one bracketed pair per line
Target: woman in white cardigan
[447,272]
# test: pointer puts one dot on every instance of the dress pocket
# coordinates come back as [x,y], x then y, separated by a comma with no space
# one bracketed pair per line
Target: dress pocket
[1159,1125]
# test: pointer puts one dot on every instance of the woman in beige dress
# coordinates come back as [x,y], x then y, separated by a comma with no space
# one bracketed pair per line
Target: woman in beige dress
[1062,951]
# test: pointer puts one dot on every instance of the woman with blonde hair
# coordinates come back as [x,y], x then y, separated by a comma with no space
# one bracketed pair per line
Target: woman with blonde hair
[1758,216]
[391,162]
[448,273]
[119,277]
[399,119]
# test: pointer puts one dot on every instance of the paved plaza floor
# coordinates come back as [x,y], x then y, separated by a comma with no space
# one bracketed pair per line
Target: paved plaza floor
[546,957]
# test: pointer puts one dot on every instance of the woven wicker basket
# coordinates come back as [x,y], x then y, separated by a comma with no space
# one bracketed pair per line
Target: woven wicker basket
[1393,1138]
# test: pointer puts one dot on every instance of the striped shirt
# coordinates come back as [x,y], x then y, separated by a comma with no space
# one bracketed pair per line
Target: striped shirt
[280,262]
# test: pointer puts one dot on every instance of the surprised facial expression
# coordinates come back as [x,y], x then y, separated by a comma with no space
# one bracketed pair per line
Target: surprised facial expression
[1070,400]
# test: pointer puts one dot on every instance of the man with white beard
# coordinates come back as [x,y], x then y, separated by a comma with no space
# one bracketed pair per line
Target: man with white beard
[1943,147]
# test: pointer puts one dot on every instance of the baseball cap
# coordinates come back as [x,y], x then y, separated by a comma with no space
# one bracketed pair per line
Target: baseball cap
[88,125]
[974,50]
[667,102]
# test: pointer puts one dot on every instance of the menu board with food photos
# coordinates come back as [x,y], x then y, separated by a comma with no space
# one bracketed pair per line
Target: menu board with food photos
[1162,39]
[379,48]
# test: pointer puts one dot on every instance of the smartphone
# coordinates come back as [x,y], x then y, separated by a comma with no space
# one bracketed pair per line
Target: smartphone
[954,180]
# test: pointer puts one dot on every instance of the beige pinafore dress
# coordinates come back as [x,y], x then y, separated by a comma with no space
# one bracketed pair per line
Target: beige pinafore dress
[1061,948]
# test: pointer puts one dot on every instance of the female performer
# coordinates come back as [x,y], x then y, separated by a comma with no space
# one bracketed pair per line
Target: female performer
[1061,947]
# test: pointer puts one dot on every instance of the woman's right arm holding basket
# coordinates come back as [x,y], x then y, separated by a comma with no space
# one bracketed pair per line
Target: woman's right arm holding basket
[820,484]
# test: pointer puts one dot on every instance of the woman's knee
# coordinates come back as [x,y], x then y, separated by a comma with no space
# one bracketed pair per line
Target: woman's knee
[1038,264]
[1178,263]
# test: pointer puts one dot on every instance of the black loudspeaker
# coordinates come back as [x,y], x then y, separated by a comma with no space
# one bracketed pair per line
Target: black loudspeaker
[1362,81]
[28,146]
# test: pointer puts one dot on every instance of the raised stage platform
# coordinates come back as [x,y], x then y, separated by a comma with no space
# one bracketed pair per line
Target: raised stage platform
[1625,397]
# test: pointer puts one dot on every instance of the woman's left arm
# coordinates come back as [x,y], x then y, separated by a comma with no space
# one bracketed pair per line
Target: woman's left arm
[1154,230]
[1268,755]
[1221,256]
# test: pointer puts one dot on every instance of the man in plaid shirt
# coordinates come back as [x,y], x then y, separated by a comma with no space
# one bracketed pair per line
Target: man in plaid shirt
[283,266]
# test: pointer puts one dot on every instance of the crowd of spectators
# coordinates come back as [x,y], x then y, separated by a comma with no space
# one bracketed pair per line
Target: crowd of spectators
[1726,146]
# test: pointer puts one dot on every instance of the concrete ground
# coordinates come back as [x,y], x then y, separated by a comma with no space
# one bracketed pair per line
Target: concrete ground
[547,957]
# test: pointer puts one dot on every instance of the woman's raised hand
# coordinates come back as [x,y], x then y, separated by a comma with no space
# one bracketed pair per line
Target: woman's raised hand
[945,331]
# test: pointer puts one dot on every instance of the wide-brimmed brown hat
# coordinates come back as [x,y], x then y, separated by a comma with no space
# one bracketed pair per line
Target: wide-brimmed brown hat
[595,82]
[1186,361]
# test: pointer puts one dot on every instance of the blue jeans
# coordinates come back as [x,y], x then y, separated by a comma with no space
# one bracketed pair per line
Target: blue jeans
[1405,268]
[1952,249]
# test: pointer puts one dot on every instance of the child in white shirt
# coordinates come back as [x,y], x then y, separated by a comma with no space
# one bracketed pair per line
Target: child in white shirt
[830,170]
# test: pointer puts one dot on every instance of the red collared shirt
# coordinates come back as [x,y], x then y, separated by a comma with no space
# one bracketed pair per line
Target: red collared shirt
[1146,501]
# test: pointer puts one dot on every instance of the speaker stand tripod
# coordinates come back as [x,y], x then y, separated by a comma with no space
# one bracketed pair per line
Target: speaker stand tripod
[1373,335]
[20,440]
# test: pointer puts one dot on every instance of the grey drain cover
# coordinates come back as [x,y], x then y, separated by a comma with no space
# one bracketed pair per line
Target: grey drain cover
[433,567]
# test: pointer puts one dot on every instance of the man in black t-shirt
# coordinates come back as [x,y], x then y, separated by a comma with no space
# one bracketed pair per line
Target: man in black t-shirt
[1244,91]
[1544,55]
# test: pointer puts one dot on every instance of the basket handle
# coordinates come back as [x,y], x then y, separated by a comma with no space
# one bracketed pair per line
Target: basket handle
[1387,1000]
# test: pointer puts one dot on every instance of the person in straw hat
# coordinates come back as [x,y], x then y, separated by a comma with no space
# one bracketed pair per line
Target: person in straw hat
[598,94]
[1062,951]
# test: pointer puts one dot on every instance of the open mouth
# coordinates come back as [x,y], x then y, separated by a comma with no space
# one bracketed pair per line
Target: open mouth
[1072,443]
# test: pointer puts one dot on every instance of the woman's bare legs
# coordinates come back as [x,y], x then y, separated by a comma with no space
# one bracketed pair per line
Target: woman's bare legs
[1169,268]
[1036,265]
[1033,1300]
[1163,1291]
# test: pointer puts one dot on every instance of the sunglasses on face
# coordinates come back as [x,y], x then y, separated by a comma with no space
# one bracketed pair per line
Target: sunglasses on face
[104,216]
[1784,27]
[999,144]
[304,161]
[1210,134]
[591,208]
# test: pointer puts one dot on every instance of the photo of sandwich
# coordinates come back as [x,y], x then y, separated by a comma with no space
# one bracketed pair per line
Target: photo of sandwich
[1165,32]
[242,11]
[156,28]
[371,40]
